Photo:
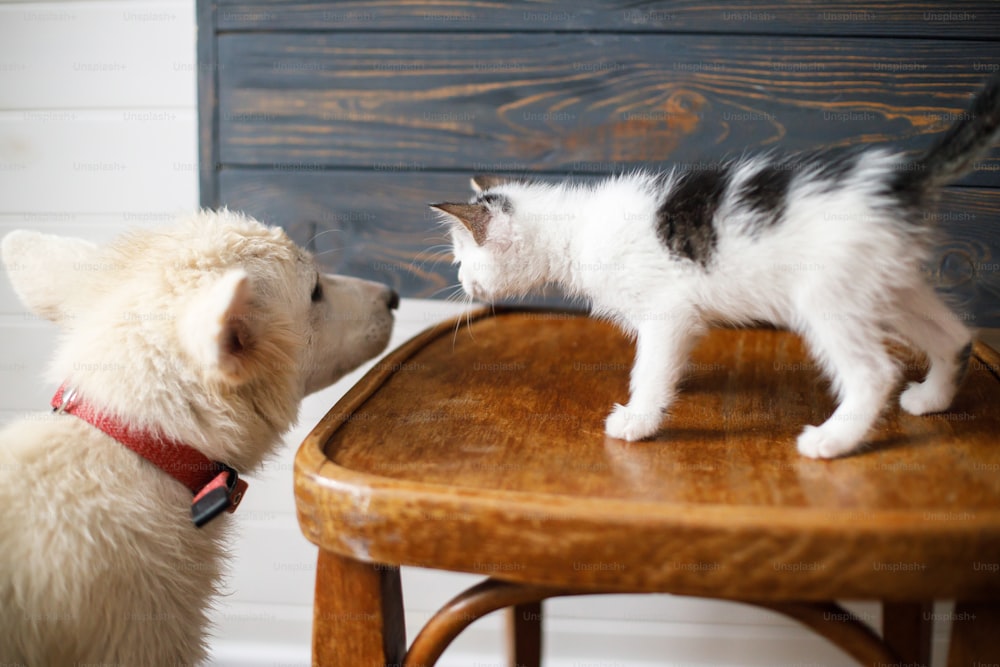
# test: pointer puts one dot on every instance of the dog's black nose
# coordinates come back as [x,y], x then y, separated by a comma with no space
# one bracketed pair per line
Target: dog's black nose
[393,300]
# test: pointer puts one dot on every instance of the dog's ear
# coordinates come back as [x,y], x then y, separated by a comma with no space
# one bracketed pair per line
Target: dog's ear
[48,272]
[216,327]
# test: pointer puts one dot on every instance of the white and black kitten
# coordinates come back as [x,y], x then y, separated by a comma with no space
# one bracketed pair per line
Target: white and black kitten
[829,245]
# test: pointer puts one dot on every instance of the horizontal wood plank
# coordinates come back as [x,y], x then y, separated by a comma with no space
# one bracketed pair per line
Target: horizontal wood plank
[370,224]
[842,17]
[377,225]
[584,104]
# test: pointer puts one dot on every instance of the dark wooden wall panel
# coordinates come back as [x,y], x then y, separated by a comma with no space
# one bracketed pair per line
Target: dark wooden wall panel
[373,224]
[342,120]
[808,17]
[581,103]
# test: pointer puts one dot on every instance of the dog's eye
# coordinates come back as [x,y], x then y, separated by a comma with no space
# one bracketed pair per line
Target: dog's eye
[317,293]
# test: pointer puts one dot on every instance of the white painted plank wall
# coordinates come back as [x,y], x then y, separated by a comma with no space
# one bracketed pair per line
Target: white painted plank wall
[97,134]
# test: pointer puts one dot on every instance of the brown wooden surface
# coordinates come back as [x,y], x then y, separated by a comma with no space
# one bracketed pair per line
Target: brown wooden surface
[482,449]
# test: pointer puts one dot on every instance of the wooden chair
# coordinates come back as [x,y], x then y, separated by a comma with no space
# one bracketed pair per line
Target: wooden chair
[480,449]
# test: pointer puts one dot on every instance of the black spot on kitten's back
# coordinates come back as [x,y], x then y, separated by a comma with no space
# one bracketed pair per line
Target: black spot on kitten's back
[685,220]
[833,165]
[766,192]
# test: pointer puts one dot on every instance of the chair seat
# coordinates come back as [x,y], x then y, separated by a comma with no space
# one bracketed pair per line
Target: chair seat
[479,447]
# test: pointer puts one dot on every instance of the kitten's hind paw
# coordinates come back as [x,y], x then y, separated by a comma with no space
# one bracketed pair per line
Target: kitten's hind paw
[920,398]
[816,443]
[626,423]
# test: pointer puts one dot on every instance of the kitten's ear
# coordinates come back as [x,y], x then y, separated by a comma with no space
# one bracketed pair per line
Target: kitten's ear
[482,182]
[475,217]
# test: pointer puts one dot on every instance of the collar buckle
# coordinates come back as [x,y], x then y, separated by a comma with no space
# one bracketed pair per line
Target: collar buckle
[65,400]
[222,494]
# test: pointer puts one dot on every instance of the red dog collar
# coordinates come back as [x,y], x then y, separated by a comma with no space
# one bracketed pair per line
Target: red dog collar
[216,486]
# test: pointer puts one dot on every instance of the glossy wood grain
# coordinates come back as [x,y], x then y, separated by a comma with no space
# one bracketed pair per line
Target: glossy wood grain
[480,448]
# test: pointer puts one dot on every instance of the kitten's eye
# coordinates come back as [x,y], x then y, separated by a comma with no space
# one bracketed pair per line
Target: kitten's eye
[317,293]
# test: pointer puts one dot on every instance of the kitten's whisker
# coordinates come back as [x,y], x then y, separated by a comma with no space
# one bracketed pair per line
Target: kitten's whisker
[468,316]
[319,234]
[446,287]
[459,296]
[443,238]
[458,325]
[438,247]
[432,257]
[468,303]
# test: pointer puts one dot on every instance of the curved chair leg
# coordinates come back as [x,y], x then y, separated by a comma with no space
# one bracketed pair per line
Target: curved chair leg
[827,619]
[839,626]
[524,635]
[470,606]
[907,629]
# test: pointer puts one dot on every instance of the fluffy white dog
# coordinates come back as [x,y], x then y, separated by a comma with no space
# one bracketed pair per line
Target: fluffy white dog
[184,356]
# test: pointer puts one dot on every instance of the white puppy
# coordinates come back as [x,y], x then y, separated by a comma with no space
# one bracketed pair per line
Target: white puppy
[183,349]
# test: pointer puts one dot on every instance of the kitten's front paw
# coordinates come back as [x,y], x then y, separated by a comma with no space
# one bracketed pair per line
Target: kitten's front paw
[626,423]
[815,443]
[921,399]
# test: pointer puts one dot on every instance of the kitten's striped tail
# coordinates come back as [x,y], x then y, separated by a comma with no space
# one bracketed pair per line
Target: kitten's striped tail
[965,142]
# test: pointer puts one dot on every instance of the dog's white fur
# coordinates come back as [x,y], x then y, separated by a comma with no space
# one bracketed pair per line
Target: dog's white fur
[205,331]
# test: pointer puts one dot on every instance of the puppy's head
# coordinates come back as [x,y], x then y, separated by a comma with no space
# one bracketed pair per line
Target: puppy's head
[212,329]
